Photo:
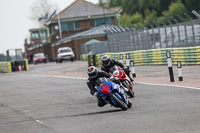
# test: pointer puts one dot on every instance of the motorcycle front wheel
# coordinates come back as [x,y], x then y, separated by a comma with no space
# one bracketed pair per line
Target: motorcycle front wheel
[118,102]
[129,92]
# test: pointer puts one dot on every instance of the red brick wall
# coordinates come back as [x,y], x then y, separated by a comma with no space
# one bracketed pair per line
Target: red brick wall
[46,49]
[113,21]
[85,25]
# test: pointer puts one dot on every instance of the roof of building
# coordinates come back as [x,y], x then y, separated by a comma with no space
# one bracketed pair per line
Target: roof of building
[82,8]
[116,9]
[100,30]
[37,29]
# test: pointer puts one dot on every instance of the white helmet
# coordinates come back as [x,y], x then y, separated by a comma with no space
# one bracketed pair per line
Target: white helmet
[105,60]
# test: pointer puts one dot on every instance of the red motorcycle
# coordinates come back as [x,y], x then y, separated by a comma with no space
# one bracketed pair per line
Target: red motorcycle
[124,79]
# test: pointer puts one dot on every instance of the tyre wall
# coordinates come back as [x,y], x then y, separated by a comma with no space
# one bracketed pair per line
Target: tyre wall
[187,55]
[7,67]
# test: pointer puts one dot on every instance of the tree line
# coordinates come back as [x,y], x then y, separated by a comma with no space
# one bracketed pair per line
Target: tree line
[142,11]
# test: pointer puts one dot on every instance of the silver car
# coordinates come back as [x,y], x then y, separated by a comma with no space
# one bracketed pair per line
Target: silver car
[65,53]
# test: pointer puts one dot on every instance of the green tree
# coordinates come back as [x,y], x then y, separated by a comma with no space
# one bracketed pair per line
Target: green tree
[127,20]
[150,15]
[103,4]
[192,5]
[175,9]
[136,18]
[153,9]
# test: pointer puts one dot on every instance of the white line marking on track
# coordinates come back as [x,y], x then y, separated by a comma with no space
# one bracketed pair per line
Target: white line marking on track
[53,76]
[169,85]
[39,122]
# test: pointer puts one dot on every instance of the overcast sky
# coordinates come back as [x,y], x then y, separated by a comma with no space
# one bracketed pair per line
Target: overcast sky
[15,22]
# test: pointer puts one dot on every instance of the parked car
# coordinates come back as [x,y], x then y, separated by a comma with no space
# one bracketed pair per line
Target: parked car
[39,58]
[65,53]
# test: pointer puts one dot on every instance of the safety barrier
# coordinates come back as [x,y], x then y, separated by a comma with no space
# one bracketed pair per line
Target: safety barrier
[5,67]
[187,55]
[13,66]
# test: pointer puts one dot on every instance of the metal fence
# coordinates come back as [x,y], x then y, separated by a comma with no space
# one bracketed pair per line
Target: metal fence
[95,48]
[170,34]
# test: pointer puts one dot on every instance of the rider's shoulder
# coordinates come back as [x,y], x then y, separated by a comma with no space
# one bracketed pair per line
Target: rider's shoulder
[102,72]
[112,60]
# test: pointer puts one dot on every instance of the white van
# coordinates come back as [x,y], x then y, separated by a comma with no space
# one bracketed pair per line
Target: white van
[65,53]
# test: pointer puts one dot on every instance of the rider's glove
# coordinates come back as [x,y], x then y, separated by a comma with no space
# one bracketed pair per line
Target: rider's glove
[126,69]
[95,94]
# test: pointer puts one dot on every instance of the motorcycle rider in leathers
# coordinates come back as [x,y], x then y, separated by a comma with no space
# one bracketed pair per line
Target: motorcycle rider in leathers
[93,76]
[108,63]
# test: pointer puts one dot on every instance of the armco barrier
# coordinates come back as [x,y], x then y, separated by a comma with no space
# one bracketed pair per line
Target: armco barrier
[187,55]
[13,66]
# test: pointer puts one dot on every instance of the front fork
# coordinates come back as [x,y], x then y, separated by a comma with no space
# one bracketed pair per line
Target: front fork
[123,95]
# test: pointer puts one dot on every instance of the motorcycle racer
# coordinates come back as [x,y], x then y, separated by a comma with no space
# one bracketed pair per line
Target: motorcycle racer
[108,63]
[93,76]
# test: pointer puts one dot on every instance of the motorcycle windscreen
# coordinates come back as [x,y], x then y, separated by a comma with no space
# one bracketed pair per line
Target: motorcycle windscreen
[112,69]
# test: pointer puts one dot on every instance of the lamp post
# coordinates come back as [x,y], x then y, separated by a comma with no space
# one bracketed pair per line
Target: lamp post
[56,28]
[104,14]
[59,24]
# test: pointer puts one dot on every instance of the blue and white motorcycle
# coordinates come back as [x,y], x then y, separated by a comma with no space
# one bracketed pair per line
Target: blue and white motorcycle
[112,93]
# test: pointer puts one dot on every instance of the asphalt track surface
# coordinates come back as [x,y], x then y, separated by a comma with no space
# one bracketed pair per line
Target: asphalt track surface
[31,102]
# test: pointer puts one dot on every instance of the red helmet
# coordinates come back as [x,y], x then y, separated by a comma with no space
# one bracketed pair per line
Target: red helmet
[92,72]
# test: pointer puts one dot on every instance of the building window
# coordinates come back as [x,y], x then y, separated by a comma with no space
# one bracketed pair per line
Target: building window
[43,34]
[100,21]
[52,29]
[108,20]
[64,26]
[77,25]
[35,34]
[92,23]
